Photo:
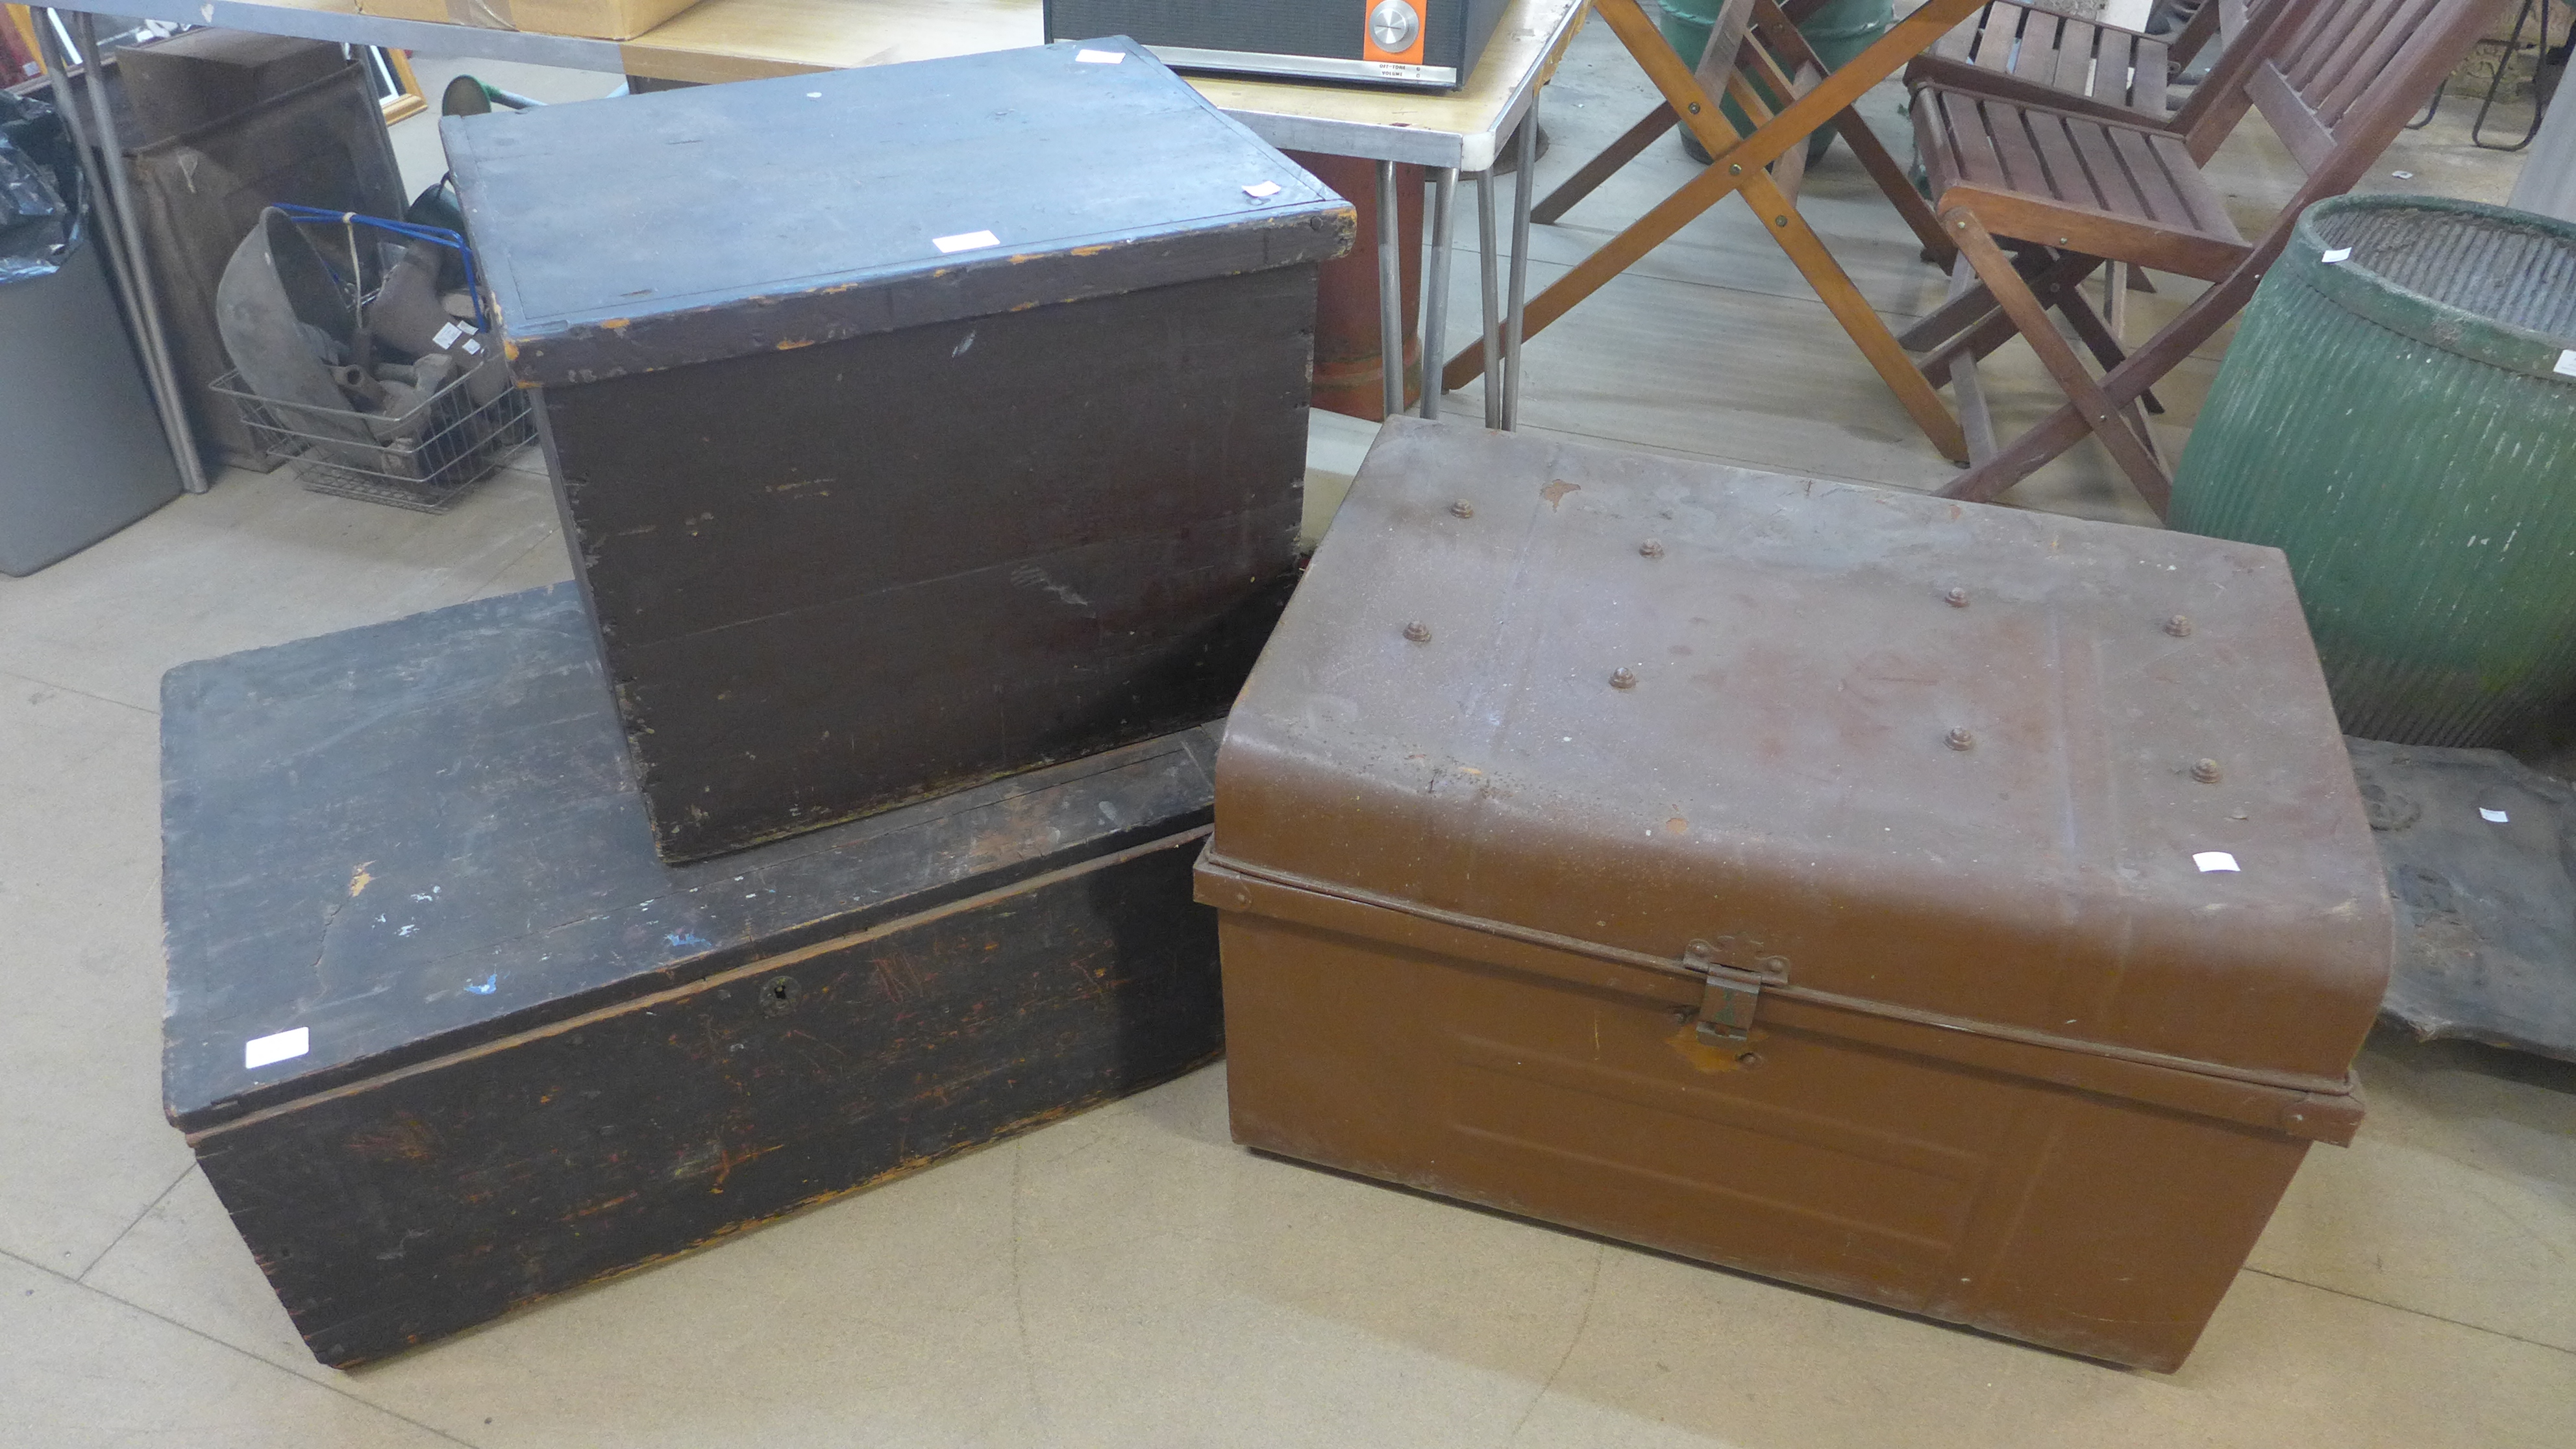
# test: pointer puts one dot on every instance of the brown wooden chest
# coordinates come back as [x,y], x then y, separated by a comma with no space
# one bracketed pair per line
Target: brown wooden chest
[447,1038]
[1965,910]
[913,424]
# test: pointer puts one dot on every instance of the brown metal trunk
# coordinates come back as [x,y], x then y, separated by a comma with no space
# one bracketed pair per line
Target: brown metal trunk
[1801,877]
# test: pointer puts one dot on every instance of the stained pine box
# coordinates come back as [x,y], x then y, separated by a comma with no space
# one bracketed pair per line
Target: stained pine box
[915,424]
[447,1037]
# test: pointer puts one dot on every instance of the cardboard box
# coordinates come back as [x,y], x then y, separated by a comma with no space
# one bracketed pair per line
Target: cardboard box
[596,19]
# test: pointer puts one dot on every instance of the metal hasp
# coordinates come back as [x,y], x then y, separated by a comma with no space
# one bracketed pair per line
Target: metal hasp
[1727,1003]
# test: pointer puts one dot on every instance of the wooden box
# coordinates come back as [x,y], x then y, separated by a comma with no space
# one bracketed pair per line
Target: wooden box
[447,1037]
[914,424]
[1957,908]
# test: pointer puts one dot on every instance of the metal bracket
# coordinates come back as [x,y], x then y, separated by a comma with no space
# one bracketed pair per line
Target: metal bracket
[1727,1005]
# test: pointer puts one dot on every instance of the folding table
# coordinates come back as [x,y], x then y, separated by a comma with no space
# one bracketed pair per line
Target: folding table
[1453,132]
[1740,168]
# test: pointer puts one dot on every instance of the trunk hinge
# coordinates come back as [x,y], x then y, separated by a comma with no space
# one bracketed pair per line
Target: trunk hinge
[1727,1004]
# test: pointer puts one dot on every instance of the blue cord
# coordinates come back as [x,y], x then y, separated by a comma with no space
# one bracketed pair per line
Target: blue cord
[439,234]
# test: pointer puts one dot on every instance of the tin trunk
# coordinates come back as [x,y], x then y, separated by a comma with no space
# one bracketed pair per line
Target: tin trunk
[1955,908]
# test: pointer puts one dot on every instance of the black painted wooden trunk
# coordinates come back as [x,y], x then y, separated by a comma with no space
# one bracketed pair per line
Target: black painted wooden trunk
[915,424]
[532,1054]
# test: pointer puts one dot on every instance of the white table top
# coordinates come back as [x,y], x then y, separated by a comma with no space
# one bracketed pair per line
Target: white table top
[721,40]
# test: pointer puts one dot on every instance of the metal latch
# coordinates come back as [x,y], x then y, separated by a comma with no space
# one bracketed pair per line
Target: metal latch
[1727,1004]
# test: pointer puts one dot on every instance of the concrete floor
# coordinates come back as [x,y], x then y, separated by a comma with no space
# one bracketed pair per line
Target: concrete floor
[1129,1277]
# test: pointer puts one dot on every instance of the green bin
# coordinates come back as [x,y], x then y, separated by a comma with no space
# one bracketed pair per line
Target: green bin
[1838,31]
[2398,415]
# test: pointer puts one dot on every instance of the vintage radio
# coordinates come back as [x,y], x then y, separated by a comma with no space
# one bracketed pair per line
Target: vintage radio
[1427,43]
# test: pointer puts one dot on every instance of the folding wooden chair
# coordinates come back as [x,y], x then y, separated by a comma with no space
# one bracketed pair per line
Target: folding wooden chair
[2032,53]
[2336,80]
[1744,163]
[1969,324]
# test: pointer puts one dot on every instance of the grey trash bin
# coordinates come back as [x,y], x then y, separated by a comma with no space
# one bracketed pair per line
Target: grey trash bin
[82,453]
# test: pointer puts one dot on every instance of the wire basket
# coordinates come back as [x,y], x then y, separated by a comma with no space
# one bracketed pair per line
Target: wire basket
[423,460]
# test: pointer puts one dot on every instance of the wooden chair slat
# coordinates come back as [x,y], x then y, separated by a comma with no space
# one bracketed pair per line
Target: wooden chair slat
[2332,102]
[2120,194]
[2161,192]
[2027,52]
[2111,73]
[2015,149]
[2331,50]
[2288,114]
[1998,44]
[2068,177]
[2146,82]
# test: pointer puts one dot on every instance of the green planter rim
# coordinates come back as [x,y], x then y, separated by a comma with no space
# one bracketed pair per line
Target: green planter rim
[2354,286]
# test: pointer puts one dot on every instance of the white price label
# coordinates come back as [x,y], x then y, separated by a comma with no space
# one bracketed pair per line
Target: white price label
[276,1047]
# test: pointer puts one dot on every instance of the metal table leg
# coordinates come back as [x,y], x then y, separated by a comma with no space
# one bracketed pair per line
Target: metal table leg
[1522,187]
[1390,294]
[1435,283]
[1486,263]
[114,213]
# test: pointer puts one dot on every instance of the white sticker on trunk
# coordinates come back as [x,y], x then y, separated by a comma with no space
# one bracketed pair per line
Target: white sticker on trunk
[2498,816]
[966,241]
[1263,191]
[2337,255]
[2209,860]
[448,334]
[276,1047]
[2566,363]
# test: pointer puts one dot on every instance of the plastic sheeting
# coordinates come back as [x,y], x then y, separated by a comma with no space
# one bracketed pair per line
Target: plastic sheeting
[36,224]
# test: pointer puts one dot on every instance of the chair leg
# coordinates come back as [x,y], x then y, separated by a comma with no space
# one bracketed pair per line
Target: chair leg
[1602,167]
[2031,319]
[2099,339]
[2198,322]
[1783,38]
[1992,329]
[1898,187]
[1868,331]
[1975,418]
[1967,309]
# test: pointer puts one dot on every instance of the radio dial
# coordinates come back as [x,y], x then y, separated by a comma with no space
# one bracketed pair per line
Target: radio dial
[1393,24]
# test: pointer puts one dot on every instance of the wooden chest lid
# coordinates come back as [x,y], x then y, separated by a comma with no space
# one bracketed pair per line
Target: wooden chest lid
[684,226]
[2077,781]
[389,844]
